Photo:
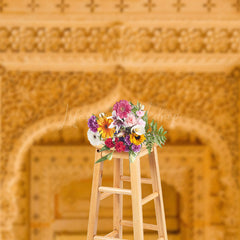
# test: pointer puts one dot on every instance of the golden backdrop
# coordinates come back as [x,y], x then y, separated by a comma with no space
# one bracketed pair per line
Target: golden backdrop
[62,60]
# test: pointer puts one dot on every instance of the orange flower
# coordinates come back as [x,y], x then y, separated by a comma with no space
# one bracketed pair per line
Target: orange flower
[104,129]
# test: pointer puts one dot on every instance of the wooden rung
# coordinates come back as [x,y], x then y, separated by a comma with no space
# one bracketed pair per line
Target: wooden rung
[148,226]
[105,195]
[149,198]
[115,190]
[107,238]
[143,180]
[112,234]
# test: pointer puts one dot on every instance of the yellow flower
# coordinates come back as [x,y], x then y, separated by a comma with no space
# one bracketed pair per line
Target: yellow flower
[104,129]
[137,139]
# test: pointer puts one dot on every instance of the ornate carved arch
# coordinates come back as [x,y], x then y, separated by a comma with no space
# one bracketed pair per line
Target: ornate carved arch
[51,120]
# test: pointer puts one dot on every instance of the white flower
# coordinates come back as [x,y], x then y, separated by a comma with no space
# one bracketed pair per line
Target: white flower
[138,129]
[114,114]
[120,134]
[117,121]
[142,107]
[112,125]
[101,114]
[94,138]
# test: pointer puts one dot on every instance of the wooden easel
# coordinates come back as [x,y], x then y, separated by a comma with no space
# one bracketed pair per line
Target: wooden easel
[100,192]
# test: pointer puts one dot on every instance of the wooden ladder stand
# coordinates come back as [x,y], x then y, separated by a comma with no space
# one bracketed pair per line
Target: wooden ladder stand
[100,192]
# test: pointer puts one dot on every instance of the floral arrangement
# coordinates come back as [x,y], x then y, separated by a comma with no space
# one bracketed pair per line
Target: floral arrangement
[127,130]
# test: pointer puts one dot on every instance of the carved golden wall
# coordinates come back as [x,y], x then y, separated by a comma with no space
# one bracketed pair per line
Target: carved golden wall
[179,57]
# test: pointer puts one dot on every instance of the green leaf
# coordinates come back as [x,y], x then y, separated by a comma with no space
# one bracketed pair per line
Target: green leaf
[155,127]
[131,104]
[104,148]
[160,130]
[149,147]
[145,118]
[138,105]
[146,127]
[151,124]
[134,109]
[106,157]
[157,140]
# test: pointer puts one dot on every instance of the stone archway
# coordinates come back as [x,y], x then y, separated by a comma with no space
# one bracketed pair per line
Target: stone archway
[24,142]
[55,122]
[51,120]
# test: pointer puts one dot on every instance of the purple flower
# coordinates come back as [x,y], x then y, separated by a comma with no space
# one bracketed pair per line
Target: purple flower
[126,148]
[92,123]
[136,148]
[127,140]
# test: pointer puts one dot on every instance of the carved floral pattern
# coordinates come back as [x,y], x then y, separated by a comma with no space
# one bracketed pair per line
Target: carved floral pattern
[138,40]
[70,90]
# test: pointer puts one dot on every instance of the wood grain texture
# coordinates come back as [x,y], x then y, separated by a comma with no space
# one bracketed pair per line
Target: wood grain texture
[158,201]
[117,198]
[95,198]
[136,199]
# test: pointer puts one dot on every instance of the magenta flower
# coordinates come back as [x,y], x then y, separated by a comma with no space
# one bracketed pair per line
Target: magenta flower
[122,108]
[92,123]
[136,148]
[126,148]
[127,140]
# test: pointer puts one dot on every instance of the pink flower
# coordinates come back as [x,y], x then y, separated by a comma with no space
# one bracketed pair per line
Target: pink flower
[141,122]
[122,108]
[140,113]
[130,120]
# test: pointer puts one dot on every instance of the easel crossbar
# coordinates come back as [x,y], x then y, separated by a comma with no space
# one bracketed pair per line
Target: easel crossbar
[143,180]
[149,198]
[148,226]
[115,190]
[107,238]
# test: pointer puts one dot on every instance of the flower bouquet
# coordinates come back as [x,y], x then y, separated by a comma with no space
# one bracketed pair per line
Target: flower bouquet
[127,130]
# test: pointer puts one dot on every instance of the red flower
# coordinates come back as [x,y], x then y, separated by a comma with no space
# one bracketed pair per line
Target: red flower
[109,143]
[120,147]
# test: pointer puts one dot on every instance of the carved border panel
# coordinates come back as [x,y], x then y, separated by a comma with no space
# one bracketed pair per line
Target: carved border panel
[118,40]
[120,9]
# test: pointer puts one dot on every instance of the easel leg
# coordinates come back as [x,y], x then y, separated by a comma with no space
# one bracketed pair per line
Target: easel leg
[117,198]
[136,199]
[95,198]
[158,202]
